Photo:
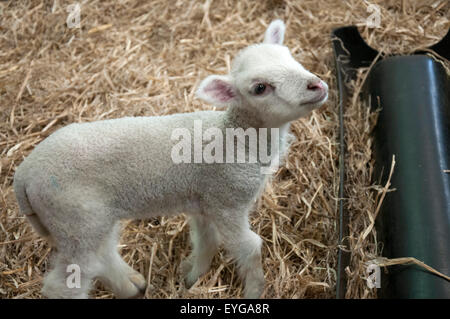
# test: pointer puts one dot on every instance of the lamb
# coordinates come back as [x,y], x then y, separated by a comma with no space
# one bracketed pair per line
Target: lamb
[79,183]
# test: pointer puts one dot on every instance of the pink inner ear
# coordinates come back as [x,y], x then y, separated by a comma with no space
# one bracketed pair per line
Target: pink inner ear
[220,90]
[276,35]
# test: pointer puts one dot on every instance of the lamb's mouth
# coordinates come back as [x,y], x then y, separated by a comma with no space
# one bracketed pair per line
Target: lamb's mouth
[320,99]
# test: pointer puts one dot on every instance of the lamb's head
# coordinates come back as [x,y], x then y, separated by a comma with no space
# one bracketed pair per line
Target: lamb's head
[268,80]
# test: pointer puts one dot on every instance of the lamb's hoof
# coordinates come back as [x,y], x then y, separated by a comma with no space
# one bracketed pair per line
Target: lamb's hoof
[185,267]
[133,288]
[190,280]
[140,283]
[254,290]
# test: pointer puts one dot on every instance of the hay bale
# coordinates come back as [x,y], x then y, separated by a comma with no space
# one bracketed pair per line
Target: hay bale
[138,58]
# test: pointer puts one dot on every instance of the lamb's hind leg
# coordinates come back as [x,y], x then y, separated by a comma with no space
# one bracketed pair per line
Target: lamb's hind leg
[86,236]
[204,246]
[78,231]
[116,273]
[74,268]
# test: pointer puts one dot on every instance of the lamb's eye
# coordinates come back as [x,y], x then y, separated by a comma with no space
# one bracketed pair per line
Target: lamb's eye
[259,89]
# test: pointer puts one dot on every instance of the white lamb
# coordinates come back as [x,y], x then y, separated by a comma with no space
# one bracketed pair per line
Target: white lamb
[78,184]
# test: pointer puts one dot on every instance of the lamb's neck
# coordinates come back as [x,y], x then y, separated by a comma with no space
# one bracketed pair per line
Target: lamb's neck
[242,117]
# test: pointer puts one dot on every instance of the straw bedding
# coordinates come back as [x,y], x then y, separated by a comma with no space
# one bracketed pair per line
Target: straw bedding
[143,58]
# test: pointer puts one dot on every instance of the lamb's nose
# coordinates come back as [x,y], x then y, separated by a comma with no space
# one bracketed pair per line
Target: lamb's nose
[315,86]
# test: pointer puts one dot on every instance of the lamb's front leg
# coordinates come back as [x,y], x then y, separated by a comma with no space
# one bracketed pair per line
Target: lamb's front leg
[244,246]
[204,246]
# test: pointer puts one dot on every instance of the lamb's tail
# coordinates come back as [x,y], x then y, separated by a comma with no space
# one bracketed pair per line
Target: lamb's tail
[26,209]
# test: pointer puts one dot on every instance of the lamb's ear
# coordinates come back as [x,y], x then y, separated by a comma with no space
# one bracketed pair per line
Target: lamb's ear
[275,32]
[217,90]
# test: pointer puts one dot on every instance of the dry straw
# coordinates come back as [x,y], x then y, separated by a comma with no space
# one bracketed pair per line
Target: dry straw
[133,58]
